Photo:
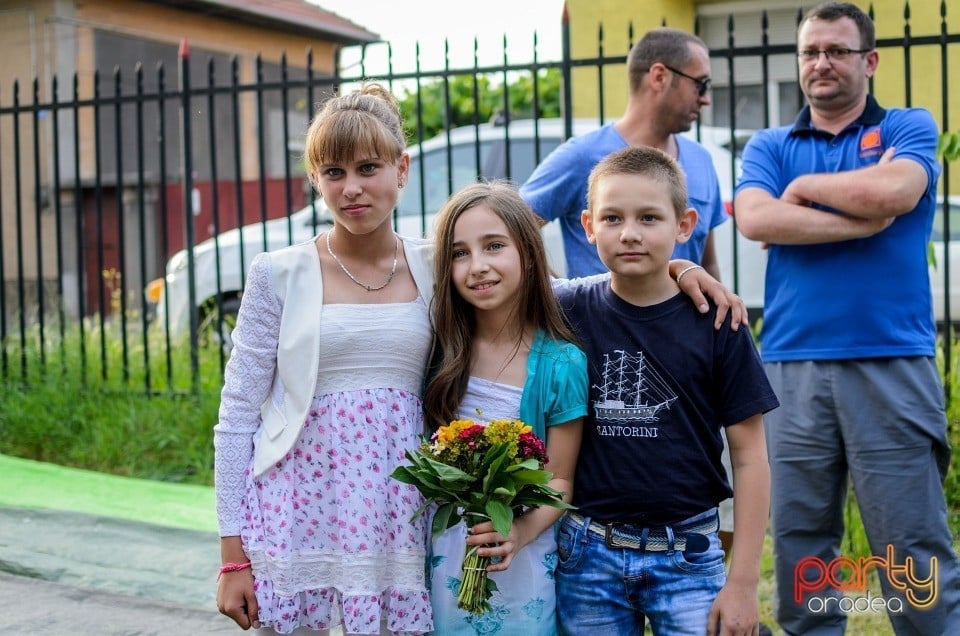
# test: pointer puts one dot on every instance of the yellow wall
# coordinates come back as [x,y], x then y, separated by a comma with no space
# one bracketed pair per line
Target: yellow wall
[889,86]
[925,66]
[586,16]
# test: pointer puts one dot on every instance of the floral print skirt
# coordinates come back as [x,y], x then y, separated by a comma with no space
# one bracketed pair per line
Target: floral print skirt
[329,532]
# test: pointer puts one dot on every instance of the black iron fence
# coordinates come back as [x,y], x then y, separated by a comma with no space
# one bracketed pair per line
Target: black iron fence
[119,192]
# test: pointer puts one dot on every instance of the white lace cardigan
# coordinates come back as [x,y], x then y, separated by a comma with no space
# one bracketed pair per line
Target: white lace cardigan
[295,273]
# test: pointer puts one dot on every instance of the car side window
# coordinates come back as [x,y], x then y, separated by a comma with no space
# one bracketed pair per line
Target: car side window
[522,158]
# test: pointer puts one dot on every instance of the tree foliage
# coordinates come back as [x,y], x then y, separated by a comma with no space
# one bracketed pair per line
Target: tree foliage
[465,108]
[949,146]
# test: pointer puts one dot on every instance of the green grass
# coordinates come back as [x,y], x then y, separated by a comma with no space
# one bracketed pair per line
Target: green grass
[31,484]
[85,413]
[96,415]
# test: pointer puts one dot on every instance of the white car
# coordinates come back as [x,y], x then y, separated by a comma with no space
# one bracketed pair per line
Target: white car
[940,264]
[468,151]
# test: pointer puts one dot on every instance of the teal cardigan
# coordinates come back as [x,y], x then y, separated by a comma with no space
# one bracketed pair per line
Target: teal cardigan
[555,391]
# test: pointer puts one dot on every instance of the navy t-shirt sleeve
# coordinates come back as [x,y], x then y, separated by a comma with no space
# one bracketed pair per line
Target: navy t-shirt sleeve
[741,387]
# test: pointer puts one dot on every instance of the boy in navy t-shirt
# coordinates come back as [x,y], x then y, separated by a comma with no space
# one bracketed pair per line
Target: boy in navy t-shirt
[643,541]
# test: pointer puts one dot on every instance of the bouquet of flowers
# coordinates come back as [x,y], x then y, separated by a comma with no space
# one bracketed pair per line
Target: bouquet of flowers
[477,473]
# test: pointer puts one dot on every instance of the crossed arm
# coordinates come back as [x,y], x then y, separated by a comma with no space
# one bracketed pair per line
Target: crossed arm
[868,199]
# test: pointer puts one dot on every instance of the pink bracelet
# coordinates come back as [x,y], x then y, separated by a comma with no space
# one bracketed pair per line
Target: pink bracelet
[232,567]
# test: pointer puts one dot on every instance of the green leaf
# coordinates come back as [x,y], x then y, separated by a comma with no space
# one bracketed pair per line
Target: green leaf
[505,493]
[441,520]
[529,463]
[949,146]
[422,509]
[403,475]
[952,151]
[495,474]
[501,516]
[496,453]
[496,480]
[534,498]
[477,500]
[531,477]
[448,473]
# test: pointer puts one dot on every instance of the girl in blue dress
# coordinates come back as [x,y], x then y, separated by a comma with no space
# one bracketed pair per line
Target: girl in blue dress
[505,352]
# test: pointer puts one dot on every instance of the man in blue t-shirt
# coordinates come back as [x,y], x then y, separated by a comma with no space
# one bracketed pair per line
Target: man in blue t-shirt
[845,200]
[669,76]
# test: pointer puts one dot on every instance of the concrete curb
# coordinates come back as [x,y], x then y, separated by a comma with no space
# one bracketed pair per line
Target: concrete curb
[72,573]
[31,606]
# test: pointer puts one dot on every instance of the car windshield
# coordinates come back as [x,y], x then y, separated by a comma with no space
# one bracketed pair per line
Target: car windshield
[436,181]
[431,167]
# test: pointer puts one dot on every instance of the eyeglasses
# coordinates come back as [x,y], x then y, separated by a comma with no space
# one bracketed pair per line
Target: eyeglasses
[833,53]
[703,85]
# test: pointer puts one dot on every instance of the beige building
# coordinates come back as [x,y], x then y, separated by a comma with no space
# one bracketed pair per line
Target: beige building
[80,44]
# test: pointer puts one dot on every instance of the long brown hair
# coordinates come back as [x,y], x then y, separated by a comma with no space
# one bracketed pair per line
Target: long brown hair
[453,318]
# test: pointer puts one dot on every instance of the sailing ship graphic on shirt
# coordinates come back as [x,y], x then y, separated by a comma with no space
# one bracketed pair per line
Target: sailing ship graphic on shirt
[631,389]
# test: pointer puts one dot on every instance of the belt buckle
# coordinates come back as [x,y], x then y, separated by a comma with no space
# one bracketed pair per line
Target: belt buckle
[619,541]
[608,537]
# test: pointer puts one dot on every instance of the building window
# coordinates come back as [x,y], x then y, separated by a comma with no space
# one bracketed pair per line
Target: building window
[748,105]
[747,73]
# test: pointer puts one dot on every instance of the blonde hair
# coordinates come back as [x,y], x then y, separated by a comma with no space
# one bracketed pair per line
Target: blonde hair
[642,161]
[453,318]
[364,123]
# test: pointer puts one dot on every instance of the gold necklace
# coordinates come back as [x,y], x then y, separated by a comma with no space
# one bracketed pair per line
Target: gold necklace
[369,288]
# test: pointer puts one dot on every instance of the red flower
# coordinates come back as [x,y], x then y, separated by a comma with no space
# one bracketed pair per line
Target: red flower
[529,445]
[472,434]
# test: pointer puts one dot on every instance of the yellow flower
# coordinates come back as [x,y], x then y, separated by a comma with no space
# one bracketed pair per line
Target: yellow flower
[447,434]
[506,431]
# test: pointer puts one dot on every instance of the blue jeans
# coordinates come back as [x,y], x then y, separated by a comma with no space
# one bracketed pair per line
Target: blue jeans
[605,591]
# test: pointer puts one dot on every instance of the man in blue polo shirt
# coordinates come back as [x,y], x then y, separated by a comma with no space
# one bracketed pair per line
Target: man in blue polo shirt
[845,200]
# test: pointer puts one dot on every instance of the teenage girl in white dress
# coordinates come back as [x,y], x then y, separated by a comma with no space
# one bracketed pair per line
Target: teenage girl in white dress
[321,399]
